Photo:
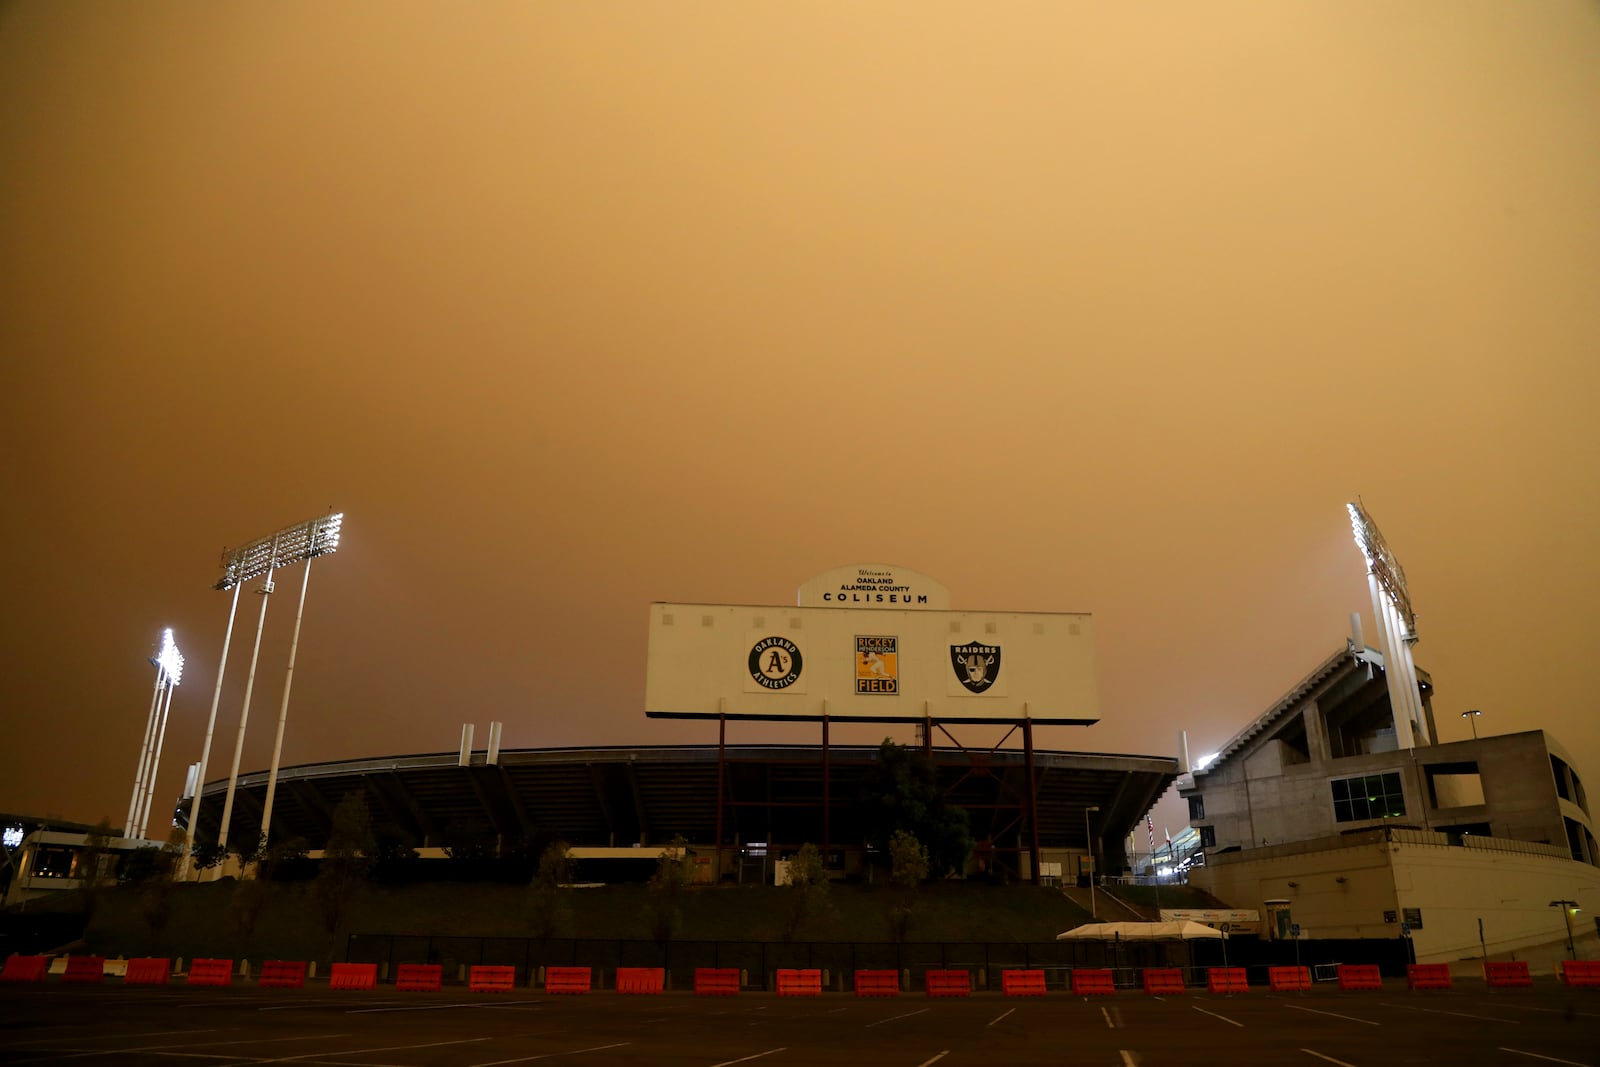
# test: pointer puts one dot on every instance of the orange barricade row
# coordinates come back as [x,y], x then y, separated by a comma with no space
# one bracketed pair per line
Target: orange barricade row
[211,972]
[1507,973]
[716,981]
[800,983]
[283,974]
[419,977]
[949,983]
[1427,976]
[86,969]
[1022,983]
[1163,981]
[567,980]
[353,976]
[877,983]
[1289,979]
[1227,980]
[641,979]
[491,978]
[1581,972]
[1360,976]
[25,969]
[1093,983]
[147,971]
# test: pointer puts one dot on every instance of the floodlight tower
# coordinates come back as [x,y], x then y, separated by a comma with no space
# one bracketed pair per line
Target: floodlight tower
[1397,627]
[301,542]
[169,670]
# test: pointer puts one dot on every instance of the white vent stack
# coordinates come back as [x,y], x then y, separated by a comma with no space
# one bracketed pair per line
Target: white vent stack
[494,743]
[1358,641]
[1183,752]
[465,759]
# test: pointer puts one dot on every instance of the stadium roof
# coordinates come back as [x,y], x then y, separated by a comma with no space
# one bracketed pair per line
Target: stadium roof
[624,795]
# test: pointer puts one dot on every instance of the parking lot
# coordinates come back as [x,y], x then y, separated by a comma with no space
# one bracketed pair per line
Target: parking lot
[244,1025]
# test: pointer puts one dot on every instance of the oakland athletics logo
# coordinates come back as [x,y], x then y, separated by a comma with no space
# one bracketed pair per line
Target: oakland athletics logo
[775,662]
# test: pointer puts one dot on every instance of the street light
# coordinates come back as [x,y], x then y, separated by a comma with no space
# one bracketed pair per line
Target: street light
[1567,908]
[1088,845]
[1472,717]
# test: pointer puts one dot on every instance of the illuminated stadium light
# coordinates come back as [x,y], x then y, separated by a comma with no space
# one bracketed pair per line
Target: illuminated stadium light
[306,540]
[169,670]
[170,660]
[293,544]
[1397,627]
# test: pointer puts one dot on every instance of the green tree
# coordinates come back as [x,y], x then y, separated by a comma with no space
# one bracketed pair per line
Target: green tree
[808,888]
[667,887]
[346,861]
[908,869]
[901,792]
[549,903]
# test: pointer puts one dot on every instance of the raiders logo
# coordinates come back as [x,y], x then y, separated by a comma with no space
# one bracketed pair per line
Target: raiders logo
[775,662]
[976,666]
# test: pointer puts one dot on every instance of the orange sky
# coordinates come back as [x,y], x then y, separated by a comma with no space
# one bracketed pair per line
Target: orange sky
[572,307]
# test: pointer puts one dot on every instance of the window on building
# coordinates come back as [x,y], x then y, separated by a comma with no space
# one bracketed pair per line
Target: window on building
[1370,796]
[1208,836]
[1454,785]
[1197,808]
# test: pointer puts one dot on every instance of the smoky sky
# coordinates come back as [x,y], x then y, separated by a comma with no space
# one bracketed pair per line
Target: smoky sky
[574,307]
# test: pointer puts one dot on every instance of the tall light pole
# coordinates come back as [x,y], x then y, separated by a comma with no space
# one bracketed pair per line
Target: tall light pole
[302,542]
[1472,717]
[169,669]
[1088,844]
[1567,908]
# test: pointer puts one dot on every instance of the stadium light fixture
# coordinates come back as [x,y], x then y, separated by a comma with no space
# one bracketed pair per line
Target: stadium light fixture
[293,544]
[1397,626]
[169,671]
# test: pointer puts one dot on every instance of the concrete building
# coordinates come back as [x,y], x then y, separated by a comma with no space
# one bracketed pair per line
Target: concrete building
[1316,815]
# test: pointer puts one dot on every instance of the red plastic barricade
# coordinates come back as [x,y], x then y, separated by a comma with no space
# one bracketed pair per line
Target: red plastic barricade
[147,971]
[1581,972]
[877,983]
[1360,976]
[1427,976]
[210,972]
[797,983]
[1163,981]
[716,981]
[419,977]
[1022,983]
[283,974]
[491,978]
[25,969]
[1095,983]
[353,976]
[1507,973]
[641,979]
[1227,980]
[86,969]
[1289,979]
[950,983]
[567,980]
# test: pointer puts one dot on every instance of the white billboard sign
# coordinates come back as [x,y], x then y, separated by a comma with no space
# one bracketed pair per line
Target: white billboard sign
[869,665]
[874,585]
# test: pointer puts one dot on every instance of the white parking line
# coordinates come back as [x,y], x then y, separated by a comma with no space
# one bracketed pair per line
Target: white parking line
[1128,1058]
[360,1051]
[936,1059]
[437,1007]
[80,1035]
[1330,1059]
[1008,1011]
[1442,1011]
[1214,1015]
[86,1053]
[1109,1024]
[1547,1059]
[552,1055]
[896,1018]
[1334,1014]
[741,1059]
